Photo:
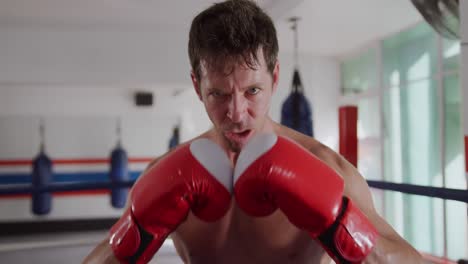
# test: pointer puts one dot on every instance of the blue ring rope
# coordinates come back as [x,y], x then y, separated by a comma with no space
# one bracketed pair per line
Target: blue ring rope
[428,191]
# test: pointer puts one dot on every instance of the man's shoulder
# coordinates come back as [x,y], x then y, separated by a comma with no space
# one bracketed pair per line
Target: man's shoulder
[313,145]
[320,150]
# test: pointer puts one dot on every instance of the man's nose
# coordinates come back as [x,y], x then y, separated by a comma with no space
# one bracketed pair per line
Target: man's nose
[237,108]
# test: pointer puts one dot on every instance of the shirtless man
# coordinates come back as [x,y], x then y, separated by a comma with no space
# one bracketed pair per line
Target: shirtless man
[233,53]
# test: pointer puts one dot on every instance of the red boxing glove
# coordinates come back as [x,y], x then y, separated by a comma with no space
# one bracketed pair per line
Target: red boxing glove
[273,172]
[196,177]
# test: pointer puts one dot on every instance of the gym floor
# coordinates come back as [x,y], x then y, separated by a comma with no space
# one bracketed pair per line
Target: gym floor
[65,248]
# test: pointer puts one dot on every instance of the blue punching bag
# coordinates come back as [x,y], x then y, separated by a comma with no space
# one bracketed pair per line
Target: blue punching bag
[296,112]
[41,177]
[174,141]
[119,173]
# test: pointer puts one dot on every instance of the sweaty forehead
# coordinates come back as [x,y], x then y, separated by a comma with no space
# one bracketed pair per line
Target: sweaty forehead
[231,74]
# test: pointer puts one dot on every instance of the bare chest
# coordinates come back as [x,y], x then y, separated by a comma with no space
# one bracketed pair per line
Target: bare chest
[238,238]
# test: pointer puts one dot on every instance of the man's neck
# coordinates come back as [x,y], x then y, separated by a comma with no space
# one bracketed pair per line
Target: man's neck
[233,157]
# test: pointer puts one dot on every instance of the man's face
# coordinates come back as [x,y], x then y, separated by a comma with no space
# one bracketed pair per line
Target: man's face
[237,103]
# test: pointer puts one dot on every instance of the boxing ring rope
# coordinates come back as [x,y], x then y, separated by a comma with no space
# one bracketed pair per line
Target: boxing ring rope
[434,192]
[62,187]
[348,148]
[428,191]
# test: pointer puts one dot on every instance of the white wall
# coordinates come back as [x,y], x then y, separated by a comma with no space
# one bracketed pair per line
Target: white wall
[43,67]
[84,55]
[80,111]
[108,104]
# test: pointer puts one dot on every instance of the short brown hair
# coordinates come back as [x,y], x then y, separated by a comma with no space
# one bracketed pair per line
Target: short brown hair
[232,30]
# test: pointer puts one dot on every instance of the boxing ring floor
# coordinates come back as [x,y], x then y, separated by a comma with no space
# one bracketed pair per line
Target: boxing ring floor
[68,247]
[65,248]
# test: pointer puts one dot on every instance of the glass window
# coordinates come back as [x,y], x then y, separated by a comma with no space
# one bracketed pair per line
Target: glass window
[359,73]
[450,54]
[369,163]
[410,55]
[454,156]
[457,235]
[454,169]
[369,118]
[392,136]
[424,229]
[411,137]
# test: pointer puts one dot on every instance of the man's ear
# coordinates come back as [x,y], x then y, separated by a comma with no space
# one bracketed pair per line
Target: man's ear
[196,84]
[275,76]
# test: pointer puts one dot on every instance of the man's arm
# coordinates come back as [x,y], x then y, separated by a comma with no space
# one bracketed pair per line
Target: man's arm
[102,253]
[390,246]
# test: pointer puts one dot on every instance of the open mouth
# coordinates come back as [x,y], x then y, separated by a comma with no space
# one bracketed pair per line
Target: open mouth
[244,133]
[239,136]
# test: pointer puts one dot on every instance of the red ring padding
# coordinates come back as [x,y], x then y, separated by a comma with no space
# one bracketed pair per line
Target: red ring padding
[348,116]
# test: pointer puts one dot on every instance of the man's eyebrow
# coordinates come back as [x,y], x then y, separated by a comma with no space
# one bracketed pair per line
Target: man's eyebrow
[247,87]
[213,89]
[253,85]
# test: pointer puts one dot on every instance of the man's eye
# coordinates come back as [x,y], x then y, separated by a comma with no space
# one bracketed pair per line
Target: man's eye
[253,91]
[216,94]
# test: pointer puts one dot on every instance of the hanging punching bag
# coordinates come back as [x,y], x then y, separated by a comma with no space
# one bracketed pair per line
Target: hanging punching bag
[174,141]
[41,177]
[119,173]
[296,112]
